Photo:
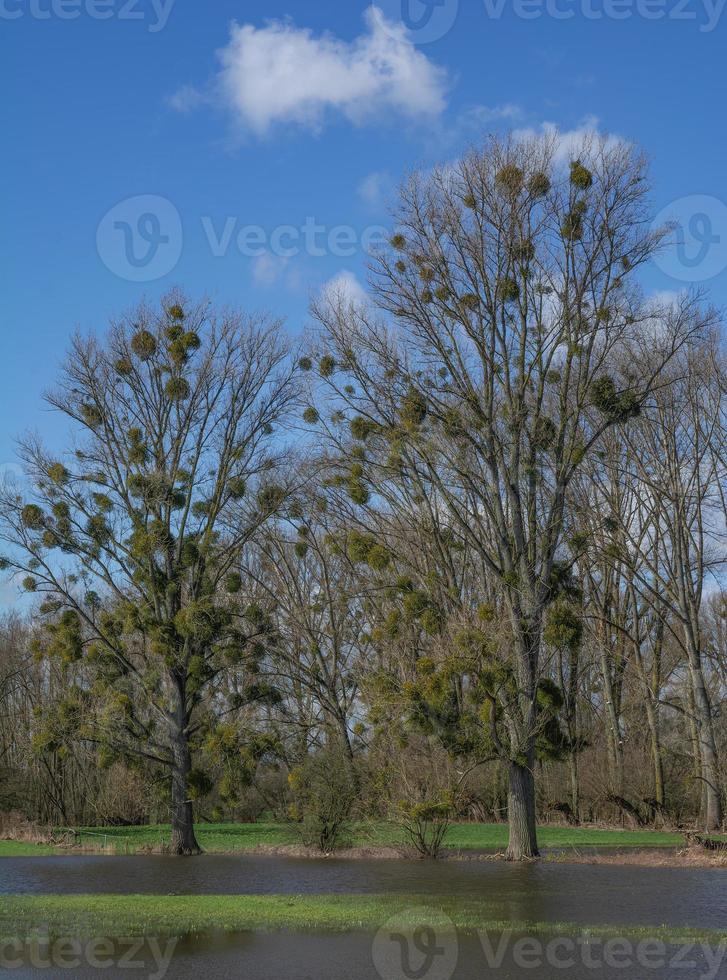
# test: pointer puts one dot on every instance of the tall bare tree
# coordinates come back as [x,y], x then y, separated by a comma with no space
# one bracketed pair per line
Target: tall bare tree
[678,463]
[506,313]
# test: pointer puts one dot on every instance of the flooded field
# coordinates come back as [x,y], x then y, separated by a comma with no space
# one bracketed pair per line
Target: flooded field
[580,895]
[388,956]
[586,894]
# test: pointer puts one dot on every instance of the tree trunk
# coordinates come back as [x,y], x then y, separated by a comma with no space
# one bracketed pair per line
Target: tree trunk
[523,839]
[656,756]
[575,794]
[696,749]
[613,728]
[183,841]
[651,708]
[708,750]
[652,687]
[659,792]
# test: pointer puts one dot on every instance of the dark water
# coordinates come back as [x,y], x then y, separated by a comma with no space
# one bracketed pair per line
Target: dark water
[361,957]
[585,894]
[579,894]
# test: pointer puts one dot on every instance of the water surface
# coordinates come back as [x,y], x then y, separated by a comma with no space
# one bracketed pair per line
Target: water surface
[584,895]
[587,894]
[361,957]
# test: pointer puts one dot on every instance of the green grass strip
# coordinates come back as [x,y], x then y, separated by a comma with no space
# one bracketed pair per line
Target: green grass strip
[12,848]
[232,838]
[121,916]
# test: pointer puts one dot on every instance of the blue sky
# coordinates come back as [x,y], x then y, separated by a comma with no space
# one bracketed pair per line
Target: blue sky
[269,114]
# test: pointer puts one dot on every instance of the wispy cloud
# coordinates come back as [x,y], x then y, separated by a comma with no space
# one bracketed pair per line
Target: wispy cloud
[375,188]
[268,269]
[477,116]
[568,142]
[344,287]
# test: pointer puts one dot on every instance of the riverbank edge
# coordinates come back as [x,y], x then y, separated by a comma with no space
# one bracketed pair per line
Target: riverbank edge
[630,855]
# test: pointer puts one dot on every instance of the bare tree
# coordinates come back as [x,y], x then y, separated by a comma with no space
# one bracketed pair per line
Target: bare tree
[678,464]
[511,309]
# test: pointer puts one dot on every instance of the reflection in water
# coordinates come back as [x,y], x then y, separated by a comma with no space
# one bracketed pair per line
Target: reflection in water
[358,957]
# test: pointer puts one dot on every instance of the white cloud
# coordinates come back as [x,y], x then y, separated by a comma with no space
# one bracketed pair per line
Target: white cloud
[375,188]
[568,142]
[477,116]
[267,269]
[660,299]
[187,98]
[344,287]
[281,73]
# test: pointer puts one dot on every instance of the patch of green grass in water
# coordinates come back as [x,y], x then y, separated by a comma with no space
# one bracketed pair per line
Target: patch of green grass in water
[122,916]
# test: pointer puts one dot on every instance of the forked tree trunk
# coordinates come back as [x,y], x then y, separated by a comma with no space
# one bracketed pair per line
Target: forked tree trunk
[523,838]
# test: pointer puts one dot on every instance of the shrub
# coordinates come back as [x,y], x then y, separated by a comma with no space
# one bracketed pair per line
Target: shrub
[425,822]
[323,789]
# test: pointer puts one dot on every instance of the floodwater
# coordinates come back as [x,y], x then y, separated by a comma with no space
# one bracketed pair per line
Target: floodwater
[588,894]
[585,895]
[357,956]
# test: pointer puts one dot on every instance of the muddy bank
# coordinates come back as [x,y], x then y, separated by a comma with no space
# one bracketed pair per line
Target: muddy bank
[657,857]
[666,858]
[609,855]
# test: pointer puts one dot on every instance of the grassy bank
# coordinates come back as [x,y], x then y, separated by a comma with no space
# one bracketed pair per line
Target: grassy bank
[117,916]
[233,837]
[19,848]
